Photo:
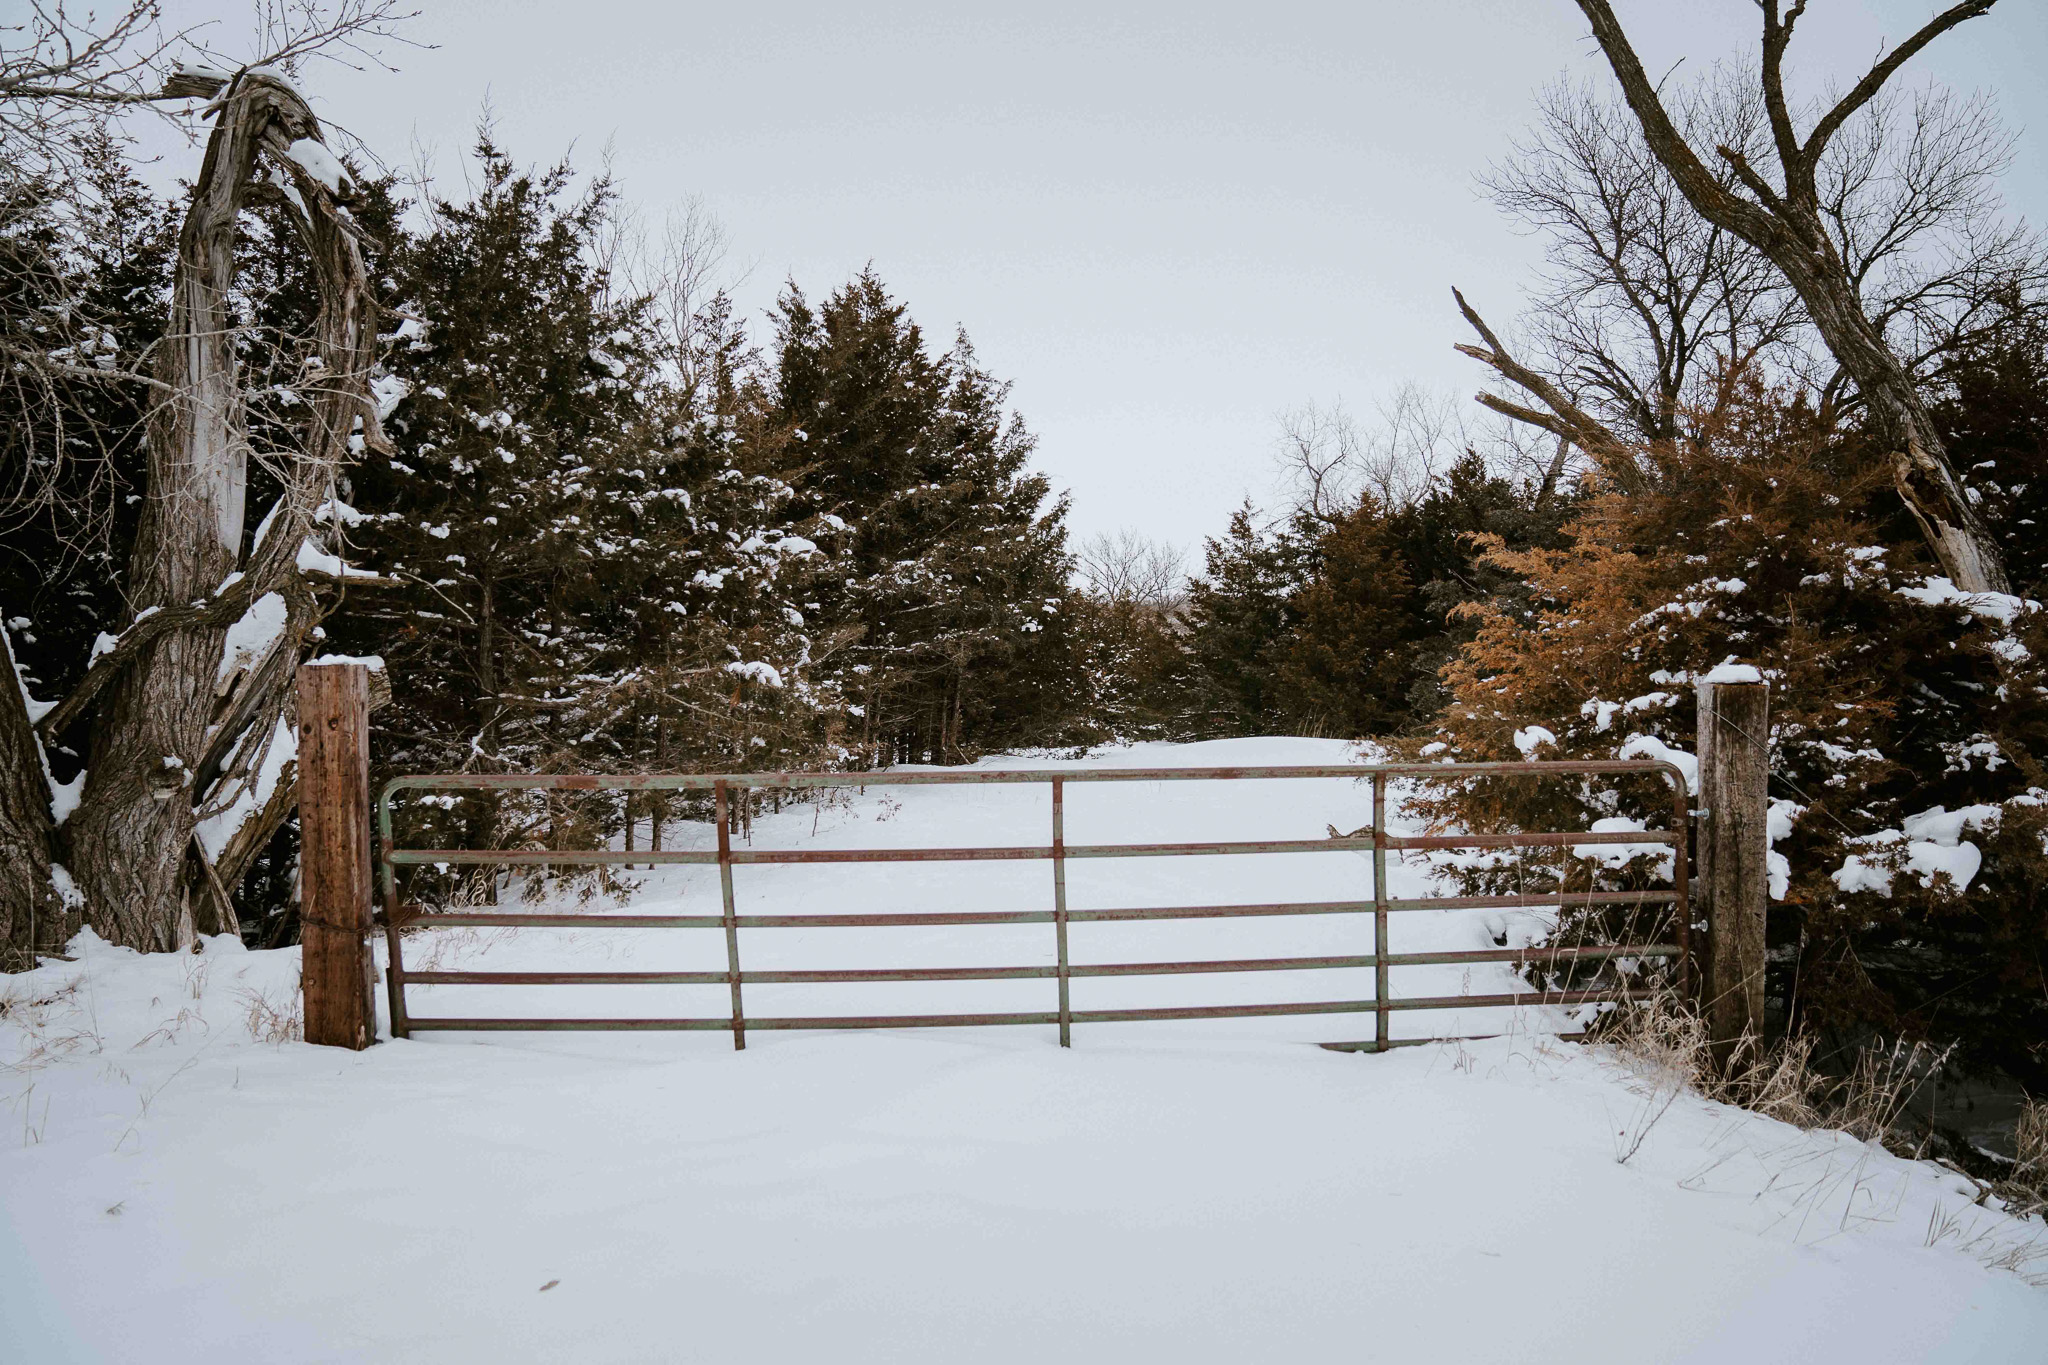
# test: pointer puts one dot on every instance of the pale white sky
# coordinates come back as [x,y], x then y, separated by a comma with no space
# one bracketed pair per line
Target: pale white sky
[1167,223]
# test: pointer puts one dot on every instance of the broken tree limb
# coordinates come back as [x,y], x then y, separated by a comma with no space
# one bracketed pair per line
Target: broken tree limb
[225,919]
[1564,419]
[222,609]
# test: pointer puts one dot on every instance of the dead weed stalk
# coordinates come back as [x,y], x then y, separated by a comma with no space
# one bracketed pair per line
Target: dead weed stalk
[2025,1187]
[270,1022]
[1664,1043]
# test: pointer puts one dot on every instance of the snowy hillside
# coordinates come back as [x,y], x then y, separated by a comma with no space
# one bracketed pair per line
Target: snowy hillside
[177,1186]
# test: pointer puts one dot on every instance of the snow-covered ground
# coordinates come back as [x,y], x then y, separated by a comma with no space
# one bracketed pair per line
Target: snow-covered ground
[175,1187]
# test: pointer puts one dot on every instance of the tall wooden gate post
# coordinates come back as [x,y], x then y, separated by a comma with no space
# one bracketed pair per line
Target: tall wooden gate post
[1734,851]
[334,854]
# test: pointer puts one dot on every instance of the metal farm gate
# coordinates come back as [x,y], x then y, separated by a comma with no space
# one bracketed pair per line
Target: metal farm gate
[398,916]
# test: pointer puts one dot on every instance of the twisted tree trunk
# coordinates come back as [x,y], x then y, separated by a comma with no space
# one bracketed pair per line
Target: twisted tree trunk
[130,845]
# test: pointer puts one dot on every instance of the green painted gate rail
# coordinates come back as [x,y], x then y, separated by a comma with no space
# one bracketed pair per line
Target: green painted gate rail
[397,916]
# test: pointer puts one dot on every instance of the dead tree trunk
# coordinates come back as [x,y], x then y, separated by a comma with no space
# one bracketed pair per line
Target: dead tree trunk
[156,690]
[1785,224]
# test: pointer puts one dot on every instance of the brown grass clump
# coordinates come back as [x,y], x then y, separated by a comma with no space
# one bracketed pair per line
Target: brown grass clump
[1663,1041]
[270,1022]
[2025,1188]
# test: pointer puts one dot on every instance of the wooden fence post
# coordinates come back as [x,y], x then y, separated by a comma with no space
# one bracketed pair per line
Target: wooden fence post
[334,854]
[1734,847]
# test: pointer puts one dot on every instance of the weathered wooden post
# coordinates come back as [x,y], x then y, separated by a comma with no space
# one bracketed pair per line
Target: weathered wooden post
[1734,874]
[334,854]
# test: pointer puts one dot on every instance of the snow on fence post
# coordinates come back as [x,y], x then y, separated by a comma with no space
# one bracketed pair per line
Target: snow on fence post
[334,854]
[1733,878]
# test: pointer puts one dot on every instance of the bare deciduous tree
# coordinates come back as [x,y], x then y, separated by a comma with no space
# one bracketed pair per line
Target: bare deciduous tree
[1131,568]
[66,71]
[1330,459]
[1648,309]
[680,269]
[685,276]
[1908,190]
[1788,223]
[1645,305]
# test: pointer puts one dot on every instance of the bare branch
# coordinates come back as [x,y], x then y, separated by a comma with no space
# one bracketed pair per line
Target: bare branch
[1132,569]
[85,374]
[1777,36]
[74,73]
[1873,80]
[1645,302]
[1670,145]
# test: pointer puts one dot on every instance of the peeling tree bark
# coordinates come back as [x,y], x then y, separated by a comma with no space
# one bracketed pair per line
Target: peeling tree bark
[130,841]
[1785,225]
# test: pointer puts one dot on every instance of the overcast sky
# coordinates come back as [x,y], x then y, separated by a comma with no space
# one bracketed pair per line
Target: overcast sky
[1166,223]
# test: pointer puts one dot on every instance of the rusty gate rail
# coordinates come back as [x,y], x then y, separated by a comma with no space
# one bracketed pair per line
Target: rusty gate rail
[1376,840]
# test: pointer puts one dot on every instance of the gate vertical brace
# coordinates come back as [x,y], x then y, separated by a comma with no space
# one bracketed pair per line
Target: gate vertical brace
[1059,903]
[1379,911]
[394,960]
[1681,887]
[732,924]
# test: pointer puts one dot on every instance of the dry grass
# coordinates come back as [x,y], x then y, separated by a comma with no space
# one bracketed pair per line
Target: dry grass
[1783,1085]
[270,1022]
[1879,1087]
[1664,1048]
[1665,1043]
[26,1006]
[1991,1242]
[2025,1187]
[1667,1048]
[51,1024]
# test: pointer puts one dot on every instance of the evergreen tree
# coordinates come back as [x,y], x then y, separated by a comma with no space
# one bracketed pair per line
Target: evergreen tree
[90,284]
[1348,665]
[1241,615]
[948,572]
[702,576]
[1343,624]
[1992,407]
[1128,626]
[1906,719]
[517,389]
[1443,538]
[599,575]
